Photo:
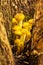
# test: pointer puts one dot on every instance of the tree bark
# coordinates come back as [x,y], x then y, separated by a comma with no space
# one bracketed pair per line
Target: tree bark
[6,56]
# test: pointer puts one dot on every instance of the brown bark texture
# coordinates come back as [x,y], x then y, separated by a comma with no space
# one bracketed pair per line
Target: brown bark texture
[32,9]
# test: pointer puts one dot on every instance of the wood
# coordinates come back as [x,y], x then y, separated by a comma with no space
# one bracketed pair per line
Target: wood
[6,56]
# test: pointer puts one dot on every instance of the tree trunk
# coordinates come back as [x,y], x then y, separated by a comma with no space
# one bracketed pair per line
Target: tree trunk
[6,56]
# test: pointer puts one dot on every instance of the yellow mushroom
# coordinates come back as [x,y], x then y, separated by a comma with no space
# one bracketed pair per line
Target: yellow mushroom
[16,28]
[28,25]
[18,32]
[14,20]
[19,44]
[23,36]
[31,21]
[24,31]
[17,41]
[19,17]
[28,36]
[25,25]
[27,33]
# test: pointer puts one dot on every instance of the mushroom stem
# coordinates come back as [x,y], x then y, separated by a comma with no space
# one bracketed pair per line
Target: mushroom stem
[20,23]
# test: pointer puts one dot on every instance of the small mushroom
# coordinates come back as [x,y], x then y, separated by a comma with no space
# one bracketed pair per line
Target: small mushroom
[14,20]
[31,21]
[19,17]
[25,25]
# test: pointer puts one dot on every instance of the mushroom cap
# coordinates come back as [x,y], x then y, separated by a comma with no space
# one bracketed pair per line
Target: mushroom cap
[14,20]
[25,25]
[19,17]
[31,21]
[28,25]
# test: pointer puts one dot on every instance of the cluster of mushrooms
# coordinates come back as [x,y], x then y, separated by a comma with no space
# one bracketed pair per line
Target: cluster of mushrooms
[21,30]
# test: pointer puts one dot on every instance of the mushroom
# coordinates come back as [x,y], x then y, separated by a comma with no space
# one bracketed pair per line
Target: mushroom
[14,21]
[16,28]
[19,44]
[25,25]
[18,33]
[31,21]
[20,17]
